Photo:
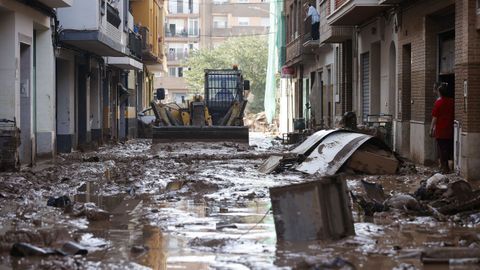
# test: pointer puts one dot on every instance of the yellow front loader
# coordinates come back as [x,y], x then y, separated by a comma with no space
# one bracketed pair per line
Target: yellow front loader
[216,116]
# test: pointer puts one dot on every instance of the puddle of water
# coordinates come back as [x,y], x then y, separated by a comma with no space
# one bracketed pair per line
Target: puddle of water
[180,224]
[183,234]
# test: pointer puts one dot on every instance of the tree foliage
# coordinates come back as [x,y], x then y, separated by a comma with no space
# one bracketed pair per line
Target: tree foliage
[249,53]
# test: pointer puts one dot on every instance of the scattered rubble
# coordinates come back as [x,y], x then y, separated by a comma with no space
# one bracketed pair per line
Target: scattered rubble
[403,202]
[91,211]
[437,196]
[336,263]
[139,249]
[72,248]
[451,255]
[24,250]
[258,122]
[60,202]
[91,159]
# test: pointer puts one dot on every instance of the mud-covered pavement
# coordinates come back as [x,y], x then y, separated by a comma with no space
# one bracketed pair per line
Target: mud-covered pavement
[199,206]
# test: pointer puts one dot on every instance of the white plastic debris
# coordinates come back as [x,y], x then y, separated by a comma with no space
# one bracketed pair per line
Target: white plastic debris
[437,181]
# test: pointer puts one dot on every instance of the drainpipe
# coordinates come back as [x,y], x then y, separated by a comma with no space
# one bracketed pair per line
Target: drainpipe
[322,123]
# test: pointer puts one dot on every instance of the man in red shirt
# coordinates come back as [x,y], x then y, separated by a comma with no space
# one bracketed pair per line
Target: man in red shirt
[442,126]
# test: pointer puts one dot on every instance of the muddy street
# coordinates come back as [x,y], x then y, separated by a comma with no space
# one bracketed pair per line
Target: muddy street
[200,206]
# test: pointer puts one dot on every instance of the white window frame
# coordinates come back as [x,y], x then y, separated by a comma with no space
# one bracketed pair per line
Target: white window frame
[193,30]
[170,74]
[243,21]
[220,24]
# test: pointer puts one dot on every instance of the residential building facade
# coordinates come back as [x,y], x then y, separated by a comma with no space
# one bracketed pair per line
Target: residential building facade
[233,18]
[113,55]
[149,17]
[95,106]
[315,84]
[192,25]
[80,72]
[382,58]
[27,92]
[182,36]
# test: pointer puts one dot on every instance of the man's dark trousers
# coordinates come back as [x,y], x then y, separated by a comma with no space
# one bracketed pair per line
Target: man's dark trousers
[315,33]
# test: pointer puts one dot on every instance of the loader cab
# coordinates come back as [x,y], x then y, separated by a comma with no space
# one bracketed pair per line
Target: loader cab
[222,88]
[225,94]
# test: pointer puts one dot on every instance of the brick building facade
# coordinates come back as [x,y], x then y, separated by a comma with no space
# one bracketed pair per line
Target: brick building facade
[389,64]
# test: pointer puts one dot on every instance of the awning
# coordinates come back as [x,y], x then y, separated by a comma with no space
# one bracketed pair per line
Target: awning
[93,41]
[124,63]
[355,12]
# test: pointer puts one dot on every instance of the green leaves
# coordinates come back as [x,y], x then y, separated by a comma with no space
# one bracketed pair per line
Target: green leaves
[250,53]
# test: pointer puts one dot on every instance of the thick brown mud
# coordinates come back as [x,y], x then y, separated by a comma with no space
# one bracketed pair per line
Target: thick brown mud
[201,206]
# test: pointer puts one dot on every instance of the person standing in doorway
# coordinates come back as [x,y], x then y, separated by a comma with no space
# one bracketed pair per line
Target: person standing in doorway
[442,126]
[315,17]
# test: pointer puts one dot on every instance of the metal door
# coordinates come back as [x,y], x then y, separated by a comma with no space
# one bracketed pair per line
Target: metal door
[365,66]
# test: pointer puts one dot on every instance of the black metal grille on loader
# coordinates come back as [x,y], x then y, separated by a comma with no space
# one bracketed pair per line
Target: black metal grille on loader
[222,88]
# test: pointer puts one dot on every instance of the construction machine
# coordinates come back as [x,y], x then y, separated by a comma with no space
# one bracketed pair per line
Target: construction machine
[215,116]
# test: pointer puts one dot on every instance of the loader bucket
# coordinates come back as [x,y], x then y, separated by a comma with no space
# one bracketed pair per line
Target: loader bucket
[171,134]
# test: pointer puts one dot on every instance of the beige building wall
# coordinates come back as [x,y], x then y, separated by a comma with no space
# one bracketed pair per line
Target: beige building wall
[245,17]
[233,18]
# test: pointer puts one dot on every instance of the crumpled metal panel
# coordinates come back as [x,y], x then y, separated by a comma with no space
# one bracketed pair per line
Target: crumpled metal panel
[311,141]
[332,153]
[270,164]
[304,148]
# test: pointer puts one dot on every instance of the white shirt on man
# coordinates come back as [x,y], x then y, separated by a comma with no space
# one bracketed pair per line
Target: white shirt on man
[314,14]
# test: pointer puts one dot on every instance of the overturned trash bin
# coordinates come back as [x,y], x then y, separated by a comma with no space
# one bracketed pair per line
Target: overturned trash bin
[317,210]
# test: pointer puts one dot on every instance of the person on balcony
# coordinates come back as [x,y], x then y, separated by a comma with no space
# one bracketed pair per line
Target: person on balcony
[315,17]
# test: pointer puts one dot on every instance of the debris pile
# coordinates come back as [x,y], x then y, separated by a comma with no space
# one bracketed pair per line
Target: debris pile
[437,196]
[258,123]
[327,152]
[68,249]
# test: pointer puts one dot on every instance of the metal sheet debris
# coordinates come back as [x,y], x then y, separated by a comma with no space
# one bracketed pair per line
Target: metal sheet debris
[305,147]
[326,151]
[451,255]
[269,165]
[314,210]
[332,153]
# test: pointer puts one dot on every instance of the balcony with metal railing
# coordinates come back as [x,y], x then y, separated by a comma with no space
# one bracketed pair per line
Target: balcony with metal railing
[135,45]
[177,56]
[149,56]
[309,39]
[332,33]
[301,42]
[181,34]
[355,12]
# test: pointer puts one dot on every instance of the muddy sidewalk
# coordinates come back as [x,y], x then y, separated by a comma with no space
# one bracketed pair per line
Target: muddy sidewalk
[197,206]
